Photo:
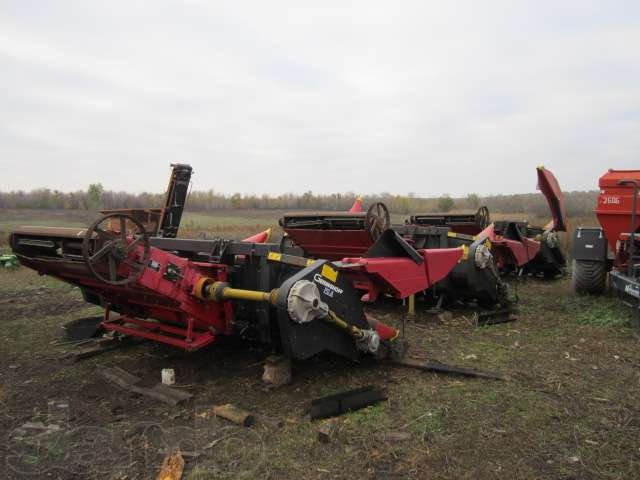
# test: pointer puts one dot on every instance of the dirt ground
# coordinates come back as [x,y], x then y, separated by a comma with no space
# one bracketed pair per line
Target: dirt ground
[569,411]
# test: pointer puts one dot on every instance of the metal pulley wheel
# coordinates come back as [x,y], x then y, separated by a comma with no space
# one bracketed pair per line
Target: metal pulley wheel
[377,220]
[106,251]
[304,303]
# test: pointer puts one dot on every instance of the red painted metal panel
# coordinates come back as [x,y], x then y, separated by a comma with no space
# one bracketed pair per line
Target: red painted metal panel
[615,204]
[402,276]
[261,237]
[550,188]
[331,244]
[357,206]
[155,295]
[510,252]
[439,262]
[513,252]
[465,229]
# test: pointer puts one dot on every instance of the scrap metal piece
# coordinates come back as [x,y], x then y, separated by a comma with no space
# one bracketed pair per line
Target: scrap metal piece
[131,382]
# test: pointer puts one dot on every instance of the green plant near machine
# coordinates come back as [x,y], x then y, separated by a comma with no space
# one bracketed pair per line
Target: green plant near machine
[604,314]
[9,261]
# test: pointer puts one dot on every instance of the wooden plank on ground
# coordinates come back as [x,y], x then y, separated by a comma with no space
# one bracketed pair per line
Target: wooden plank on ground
[234,414]
[130,382]
[172,467]
[436,366]
[101,346]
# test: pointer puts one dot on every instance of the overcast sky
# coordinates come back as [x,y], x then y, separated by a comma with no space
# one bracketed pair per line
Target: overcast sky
[272,97]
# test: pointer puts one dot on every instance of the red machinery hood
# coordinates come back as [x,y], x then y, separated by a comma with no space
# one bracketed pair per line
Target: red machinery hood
[548,185]
[615,204]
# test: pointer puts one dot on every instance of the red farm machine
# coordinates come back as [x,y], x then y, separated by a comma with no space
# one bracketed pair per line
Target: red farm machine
[489,248]
[188,292]
[517,246]
[612,248]
[343,234]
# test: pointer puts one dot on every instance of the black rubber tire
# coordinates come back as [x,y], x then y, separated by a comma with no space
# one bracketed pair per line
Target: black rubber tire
[588,277]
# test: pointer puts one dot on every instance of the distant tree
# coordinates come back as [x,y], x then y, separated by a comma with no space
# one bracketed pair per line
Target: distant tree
[307,200]
[473,200]
[94,196]
[236,200]
[532,206]
[445,203]
[404,205]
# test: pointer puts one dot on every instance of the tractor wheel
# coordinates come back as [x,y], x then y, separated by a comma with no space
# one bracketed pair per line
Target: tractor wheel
[589,277]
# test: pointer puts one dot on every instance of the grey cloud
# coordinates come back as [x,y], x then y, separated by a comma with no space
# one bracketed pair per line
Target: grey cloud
[425,97]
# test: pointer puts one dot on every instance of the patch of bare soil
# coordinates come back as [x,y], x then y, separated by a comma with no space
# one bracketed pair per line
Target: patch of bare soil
[569,411]
[39,302]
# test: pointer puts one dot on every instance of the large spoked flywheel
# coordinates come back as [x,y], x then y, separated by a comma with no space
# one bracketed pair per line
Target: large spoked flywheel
[482,217]
[377,220]
[111,249]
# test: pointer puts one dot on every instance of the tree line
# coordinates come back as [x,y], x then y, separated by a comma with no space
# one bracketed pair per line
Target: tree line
[96,198]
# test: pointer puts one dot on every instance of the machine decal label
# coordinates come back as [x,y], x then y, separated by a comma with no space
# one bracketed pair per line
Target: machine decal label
[329,272]
[275,256]
[611,200]
[329,288]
